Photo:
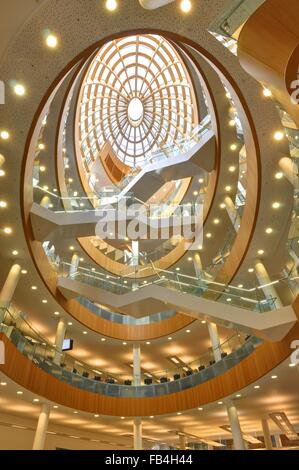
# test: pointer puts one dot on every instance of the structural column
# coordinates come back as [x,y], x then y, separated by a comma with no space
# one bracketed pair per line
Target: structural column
[232,212]
[182,442]
[235,425]
[9,287]
[137,423]
[60,336]
[264,278]
[136,365]
[137,431]
[290,171]
[42,426]
[74,265]
[267,435]
[215,341]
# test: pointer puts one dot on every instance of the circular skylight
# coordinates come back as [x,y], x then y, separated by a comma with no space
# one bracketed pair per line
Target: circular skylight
[137,97]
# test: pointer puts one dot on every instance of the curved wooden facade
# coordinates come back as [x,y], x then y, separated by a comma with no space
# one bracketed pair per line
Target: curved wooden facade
[267,356]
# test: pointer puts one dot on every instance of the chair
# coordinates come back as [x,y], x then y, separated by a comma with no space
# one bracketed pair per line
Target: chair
[163,380]
[201,368]
[212,362]
[148,381]
[189,372]
[176,376]
[224,354]
[85,375]
[128,382]
[75,371]
[97,378]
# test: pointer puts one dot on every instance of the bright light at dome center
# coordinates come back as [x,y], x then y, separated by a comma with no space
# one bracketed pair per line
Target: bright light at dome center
[135,110]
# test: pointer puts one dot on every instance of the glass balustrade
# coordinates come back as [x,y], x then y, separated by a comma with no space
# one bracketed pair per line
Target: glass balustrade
[66,368]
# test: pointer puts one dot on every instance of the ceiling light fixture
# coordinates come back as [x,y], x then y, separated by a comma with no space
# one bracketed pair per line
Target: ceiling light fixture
[278,135]
[19,89]
[4,135]
[111,5]
[52,41]
[3,204]
[186,6]
[7,230]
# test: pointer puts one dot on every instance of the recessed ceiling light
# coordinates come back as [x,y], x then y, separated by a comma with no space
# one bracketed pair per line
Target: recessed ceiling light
[4,135]
[276,205]
[195,193]
[267,93]
[33,287]
[222,206]
[233,147]
[3,384]
[261,252]
[188,331]
[70,180]
[209,235]
[19,392]
[70,323]
[240,286]
[42,169]
[41,146]
[7,230]
[72,248]
[177,269]
[24,271]
[124,343]
[56,313]
[228,300]
[238,395]
[278,135]
[216,221]
[220,402]
[232,122]
[179,413]
[200,180]
[269,230]
[96,416]
[273,376]
[279,175]
[228,188]
[232,169]
[81,259]
[250,270]
[19,89]
[203,322]
[15,253]
[36,400]
[257,387]
[75,412]
[3,204]
[85,332]
[2,173]
[111,5]
[169,338]
[55,406]
[122,417]
[189,259]
[200,409]
[103,339]
[148,342]
[44,301]
[292,364]
[52,41]
[45,188]
[151,417]
[186,6]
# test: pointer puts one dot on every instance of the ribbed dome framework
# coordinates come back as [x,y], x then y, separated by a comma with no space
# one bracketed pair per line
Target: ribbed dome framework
[137,96]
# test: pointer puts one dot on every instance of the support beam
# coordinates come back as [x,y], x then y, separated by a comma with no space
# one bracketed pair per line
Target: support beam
[136,365]
[60,336]
[215,340]
[137,432]
[10,286]
[264,278]
[266,433]
[235,425]
[42,426]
